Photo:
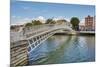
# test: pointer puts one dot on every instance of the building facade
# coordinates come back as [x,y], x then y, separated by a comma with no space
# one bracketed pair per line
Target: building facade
[94,24]
[89,23]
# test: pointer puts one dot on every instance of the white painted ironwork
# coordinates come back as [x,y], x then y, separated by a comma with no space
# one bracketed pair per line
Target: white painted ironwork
[37,34]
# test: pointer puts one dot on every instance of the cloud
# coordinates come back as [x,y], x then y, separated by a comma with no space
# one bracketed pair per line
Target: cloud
[61,17]
[82,22]
[20,20]
[25,20]
[15,17]
[67,19]
[41,18]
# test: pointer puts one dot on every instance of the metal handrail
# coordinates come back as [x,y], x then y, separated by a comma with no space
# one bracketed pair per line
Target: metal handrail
[21,34]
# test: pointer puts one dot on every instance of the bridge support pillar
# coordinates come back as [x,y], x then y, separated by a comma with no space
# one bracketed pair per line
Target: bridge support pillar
[19,55]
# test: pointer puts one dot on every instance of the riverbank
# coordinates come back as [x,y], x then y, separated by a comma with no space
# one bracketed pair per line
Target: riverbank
[77,33]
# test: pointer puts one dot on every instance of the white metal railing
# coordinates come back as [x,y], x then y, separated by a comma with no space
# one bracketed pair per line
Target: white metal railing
[21,35]
[42,28]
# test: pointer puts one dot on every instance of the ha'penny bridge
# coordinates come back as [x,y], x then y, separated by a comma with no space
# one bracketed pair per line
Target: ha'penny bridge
[27,40]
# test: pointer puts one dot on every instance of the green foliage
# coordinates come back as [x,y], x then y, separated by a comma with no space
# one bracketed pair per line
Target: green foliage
[50,21]
[12,27]
[36,22]
[28,24]
[75,22]
[32,23]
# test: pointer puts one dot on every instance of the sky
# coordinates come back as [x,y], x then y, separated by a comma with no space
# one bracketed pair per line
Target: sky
[22,12]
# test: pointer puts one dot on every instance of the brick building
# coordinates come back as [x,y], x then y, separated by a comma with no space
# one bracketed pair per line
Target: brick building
[89,23]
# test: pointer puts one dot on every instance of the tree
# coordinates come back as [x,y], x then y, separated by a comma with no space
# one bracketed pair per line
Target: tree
[36,22]
[12,27]
[50,21]
[28,24]
[75,23]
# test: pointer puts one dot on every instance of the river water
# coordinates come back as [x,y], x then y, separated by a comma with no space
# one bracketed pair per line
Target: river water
[64,49]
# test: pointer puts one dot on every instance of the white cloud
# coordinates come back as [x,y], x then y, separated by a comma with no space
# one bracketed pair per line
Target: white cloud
[67,19]
[82,22]
[25,20]
[57,18]
[60,17]
[15,17]
[41,18]
[19,20]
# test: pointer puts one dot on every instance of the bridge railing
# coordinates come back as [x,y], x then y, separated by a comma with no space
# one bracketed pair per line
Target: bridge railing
[16,36]
[42,28]
[21,35]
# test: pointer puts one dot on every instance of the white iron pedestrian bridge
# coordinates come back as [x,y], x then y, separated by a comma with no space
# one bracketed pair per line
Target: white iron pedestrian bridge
[38,34]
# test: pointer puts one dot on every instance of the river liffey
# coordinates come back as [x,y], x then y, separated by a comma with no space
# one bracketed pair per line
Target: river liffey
[64,49]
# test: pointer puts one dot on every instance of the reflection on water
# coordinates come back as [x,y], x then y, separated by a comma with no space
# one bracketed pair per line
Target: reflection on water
[64,49]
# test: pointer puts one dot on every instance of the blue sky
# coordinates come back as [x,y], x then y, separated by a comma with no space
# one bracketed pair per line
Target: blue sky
[24,11]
